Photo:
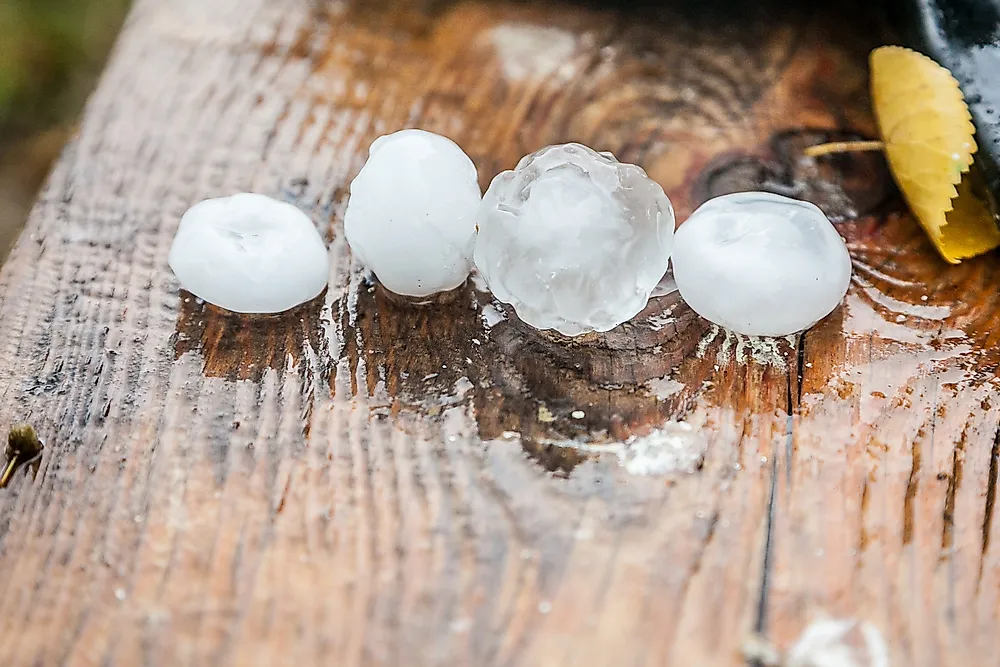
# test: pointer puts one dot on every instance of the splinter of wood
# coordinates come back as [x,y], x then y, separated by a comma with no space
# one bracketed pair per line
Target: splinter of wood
[23,446]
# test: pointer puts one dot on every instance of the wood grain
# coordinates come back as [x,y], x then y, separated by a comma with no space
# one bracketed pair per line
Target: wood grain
[363,481]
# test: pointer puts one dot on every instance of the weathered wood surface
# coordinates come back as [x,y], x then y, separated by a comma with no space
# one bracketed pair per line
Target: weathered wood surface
[363,482]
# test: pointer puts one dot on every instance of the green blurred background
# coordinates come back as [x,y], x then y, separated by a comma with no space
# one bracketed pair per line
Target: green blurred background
[51,53]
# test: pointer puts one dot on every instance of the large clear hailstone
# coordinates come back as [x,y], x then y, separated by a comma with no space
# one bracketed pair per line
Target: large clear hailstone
[761,264]
[411,217]
[249,254]
[573,239]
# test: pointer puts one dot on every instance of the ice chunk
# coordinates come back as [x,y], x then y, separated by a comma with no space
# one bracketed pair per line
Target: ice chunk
[573,239]
[761,264]
[411,217]
[250,254]
[839,643]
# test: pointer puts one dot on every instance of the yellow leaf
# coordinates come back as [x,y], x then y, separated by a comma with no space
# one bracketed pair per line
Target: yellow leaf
[971,229]
[928,134]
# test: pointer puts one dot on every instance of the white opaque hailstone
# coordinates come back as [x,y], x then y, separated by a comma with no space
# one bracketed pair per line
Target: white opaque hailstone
[249,254]
[761,264]
[573,239]
[411,217]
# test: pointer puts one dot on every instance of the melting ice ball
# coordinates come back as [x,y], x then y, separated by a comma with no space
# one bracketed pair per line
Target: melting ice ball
[573,239]
[411,217]
[761,264]
[250,254]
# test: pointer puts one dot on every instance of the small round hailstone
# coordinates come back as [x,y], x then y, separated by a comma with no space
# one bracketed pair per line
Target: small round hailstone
[761,264]
[573,239]
[249,254]
[411,217]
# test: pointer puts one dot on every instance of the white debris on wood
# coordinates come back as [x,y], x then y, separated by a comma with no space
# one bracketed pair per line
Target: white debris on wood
[492,315]
[839,643]
[674,447]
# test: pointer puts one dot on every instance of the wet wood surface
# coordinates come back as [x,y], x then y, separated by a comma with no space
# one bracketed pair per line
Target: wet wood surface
[366,482]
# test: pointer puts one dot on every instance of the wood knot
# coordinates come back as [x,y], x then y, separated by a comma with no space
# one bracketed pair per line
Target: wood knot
[844,186]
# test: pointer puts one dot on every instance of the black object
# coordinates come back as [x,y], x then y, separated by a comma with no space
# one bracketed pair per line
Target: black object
[964,36]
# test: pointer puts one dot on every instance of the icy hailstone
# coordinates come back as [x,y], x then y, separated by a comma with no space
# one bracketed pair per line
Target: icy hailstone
[411,217]
[574,239]
[250,254]
[761,264]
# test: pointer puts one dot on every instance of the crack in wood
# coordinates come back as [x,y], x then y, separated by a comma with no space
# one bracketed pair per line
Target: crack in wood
[911,490]
[862,530]
[991,498]
[760,624]
[954,482]
[791,405]
[801,361]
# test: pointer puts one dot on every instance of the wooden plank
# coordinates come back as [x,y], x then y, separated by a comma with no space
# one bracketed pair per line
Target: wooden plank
[366,482]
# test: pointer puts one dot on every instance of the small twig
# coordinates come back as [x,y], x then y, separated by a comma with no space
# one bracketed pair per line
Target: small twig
[13,463]
[843,147]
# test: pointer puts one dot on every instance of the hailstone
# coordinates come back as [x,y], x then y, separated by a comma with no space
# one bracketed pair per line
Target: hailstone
[573,239]
[411,217]
[761,264]
[249,254]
